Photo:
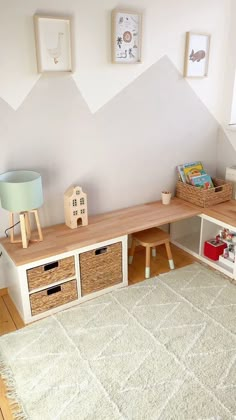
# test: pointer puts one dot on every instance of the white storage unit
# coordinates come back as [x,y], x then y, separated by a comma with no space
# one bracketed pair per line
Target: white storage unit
[191,234]
[230,175]
[50,285]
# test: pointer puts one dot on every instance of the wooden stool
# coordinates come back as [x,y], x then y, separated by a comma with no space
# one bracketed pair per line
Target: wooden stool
[151,238]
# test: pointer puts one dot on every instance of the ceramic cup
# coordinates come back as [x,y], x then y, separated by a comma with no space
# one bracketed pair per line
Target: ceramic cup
[166,197]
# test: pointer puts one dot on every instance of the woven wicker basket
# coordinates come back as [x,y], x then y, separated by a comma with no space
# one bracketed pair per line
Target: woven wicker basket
[205,198]
[44,275]
[101,268]
[52,297]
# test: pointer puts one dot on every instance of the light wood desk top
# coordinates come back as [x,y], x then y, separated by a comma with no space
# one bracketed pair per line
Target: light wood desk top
[60,238]
[225,212]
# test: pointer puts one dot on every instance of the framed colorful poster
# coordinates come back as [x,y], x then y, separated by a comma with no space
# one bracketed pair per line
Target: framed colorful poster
[196,55]
[126,37]
[53,43]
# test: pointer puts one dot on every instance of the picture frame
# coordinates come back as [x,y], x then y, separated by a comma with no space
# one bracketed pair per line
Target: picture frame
[53,43]
[126,36]
[197,51]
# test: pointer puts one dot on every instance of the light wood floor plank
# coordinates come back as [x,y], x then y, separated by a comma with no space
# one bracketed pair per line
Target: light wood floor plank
[13,312]
[159,264]
[6,322]
[5,409]
[3,292]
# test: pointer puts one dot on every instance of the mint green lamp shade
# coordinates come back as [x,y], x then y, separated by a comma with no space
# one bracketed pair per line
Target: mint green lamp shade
[21,191]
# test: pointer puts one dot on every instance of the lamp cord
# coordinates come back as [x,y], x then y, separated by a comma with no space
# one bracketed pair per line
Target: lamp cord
[11,227]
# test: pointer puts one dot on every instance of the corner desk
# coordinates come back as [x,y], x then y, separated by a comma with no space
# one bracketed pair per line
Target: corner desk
[72,265]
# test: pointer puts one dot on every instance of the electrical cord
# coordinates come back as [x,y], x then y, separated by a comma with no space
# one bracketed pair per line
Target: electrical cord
[11,227]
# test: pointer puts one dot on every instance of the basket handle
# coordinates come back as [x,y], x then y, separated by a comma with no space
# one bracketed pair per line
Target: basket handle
[53,290]
[219,188]
[100,251]
[50,266]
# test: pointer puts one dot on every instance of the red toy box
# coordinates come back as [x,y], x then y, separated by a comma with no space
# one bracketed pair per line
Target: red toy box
[213,249]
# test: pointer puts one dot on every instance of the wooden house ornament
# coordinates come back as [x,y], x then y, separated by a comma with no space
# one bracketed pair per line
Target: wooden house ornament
[75,207]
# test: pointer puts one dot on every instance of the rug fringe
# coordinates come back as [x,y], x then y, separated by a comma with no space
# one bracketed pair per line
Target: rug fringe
[15,405]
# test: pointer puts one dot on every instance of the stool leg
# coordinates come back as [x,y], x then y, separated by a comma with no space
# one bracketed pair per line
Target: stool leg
[132,249]
[154,251]
[169,255]
[148,258]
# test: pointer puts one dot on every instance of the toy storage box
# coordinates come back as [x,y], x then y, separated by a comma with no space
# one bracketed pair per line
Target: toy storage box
[205,198]
[213,249]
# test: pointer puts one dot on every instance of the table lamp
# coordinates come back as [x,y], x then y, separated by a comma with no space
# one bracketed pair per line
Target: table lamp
[21,192]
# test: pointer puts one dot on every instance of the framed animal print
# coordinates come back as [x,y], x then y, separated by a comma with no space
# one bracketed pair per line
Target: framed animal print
[53,43]
[126,37]
[196,54]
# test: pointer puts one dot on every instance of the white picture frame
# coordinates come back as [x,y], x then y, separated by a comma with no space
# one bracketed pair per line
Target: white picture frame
[53,43]
[197,51]
[126,36]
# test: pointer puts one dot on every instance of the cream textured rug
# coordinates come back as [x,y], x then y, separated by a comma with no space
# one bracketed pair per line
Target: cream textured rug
[162,349]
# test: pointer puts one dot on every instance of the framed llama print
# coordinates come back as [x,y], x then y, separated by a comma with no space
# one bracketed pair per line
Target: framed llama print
[126,37]
[196,55]
[53,43]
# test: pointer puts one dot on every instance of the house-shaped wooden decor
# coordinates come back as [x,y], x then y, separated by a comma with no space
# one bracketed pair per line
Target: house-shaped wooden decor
[75,207]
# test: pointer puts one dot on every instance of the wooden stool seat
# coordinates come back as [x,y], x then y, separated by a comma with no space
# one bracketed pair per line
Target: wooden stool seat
[151,238]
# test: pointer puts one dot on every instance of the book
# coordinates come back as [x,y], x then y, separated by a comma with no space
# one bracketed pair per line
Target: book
[203,181]
[196,173]
[187,170]
[192,169]
[180,172]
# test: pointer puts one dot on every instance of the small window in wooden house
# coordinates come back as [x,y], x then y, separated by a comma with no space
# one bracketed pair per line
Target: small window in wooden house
[81,201]
[74,202]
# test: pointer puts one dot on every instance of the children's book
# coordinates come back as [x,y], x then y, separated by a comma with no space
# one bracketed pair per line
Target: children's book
[195,173]
[203,181]
[192,169]
[187,170]
[180,172]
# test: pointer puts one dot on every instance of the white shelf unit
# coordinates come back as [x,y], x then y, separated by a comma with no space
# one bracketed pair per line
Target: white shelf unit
[191,234]
[17,278]
[186,234]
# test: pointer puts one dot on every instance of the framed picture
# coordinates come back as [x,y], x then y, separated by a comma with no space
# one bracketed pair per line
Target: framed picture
[53,43]
[196,54]
[126,37]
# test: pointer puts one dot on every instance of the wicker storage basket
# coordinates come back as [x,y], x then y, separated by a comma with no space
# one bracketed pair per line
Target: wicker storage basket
[205,198]
[101,268]
[44,275]
[53,296]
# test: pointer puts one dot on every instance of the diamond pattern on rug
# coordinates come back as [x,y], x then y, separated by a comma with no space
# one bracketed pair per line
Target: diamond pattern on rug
[162,349]
[153,316]
[179,340]
[211,368]
[194,401]
[228,320]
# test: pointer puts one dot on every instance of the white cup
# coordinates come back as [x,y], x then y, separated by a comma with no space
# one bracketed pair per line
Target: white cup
[166,197]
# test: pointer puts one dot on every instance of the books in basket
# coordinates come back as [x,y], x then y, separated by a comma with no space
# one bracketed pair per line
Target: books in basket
[193,169]
[187,170]
[203,181]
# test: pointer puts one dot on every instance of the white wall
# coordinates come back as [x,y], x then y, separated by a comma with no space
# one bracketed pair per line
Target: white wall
[165,24]
[226,154]
[228,100]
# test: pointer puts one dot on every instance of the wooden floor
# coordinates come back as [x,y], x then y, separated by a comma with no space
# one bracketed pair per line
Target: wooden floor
[11,321]
[159,264]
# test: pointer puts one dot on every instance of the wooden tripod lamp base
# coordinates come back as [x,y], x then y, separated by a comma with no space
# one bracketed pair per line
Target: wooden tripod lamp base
[25,227]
